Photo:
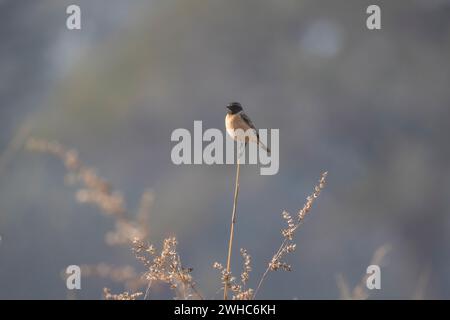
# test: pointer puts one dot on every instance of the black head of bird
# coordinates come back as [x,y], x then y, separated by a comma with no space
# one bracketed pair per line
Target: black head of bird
[234,107]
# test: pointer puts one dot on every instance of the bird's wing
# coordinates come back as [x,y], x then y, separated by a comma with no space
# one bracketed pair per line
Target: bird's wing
[247,120]
[250,124]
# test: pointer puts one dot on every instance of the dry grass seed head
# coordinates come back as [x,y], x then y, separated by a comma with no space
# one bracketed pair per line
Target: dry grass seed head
[122,296]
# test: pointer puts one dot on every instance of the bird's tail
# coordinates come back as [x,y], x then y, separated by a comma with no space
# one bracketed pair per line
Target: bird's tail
[262,145]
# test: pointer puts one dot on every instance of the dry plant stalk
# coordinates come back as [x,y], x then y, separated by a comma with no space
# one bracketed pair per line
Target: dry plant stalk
[127,275]
[422,284]
[230,242]
[359,292]
[99,192]
[122,296]
[166,267]
[288,246]
[239,290]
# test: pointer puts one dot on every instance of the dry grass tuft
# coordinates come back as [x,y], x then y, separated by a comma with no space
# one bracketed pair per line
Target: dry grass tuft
[239,290]
[287,246]
[97,191]
[122,296]
[126,275]
[164,265]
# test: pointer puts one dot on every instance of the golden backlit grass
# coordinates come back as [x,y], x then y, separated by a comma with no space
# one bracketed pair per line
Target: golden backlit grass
[163,265]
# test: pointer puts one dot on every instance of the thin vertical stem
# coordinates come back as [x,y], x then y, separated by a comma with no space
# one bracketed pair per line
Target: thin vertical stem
[233,222]
[268,268]
[147,292]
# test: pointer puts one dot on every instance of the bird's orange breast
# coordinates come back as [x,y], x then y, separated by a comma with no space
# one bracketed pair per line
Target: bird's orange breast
[234,122]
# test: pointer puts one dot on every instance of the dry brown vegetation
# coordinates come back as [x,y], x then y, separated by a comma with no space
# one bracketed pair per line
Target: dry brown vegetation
[162,265]
[360,292]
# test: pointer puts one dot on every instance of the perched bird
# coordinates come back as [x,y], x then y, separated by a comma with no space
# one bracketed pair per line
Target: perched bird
[237,119]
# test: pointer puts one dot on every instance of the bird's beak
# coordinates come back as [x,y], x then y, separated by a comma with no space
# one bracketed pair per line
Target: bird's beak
[228,107]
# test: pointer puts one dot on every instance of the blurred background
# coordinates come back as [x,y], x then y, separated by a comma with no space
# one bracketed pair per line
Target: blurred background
[371,107]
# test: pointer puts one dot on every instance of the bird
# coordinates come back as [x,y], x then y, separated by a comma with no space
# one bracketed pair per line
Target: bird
[237,119]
